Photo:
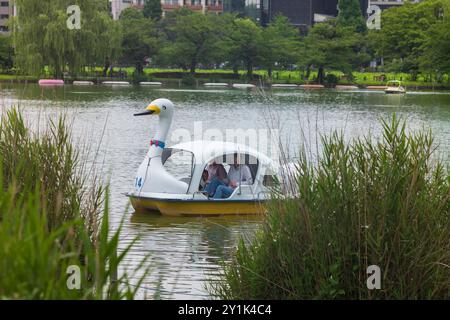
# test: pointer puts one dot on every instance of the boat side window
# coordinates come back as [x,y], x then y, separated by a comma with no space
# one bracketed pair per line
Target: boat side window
[270,180]
[179,163]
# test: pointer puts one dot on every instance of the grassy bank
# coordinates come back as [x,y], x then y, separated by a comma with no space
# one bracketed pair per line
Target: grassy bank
[368,202]
[53,218]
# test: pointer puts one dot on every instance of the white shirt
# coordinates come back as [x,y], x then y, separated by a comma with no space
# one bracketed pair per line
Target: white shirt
[241,174]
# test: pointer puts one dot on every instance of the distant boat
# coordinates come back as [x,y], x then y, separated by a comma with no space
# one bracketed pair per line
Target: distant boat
[394,87]
[51,82]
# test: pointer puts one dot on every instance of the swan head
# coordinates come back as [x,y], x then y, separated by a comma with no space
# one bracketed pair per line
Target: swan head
[161,107]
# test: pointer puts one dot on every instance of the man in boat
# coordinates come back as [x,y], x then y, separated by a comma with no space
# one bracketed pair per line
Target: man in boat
[239,174]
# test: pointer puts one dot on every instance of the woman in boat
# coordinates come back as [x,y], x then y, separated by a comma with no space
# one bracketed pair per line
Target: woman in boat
[217,175]
[203,180]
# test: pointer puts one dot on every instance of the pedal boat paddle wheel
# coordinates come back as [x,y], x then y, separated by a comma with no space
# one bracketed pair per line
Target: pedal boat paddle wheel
[158,189]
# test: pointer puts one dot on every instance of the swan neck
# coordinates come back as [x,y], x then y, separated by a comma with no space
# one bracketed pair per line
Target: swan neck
[163,129]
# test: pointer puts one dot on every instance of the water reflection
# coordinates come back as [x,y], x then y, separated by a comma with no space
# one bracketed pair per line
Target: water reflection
[185,252]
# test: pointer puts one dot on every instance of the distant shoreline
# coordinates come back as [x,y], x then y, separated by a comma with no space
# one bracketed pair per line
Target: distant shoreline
[198,81]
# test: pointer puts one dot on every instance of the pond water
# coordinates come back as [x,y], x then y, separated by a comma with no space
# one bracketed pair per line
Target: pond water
[185,252]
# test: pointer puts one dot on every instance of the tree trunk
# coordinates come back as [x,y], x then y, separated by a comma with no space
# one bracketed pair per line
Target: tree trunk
[269,73]
[320,75]
[57,72]
[250,70]
[235,68]
[308,72]
[106,67]
[193,66]
[139,69]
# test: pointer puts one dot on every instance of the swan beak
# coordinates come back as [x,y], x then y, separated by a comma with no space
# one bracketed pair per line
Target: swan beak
[151,109]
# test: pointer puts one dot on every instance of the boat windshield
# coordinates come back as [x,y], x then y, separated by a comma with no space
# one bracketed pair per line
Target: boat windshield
[179,163]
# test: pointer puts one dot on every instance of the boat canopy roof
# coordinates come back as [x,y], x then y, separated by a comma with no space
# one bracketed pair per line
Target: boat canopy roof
[394,81]
[205,151]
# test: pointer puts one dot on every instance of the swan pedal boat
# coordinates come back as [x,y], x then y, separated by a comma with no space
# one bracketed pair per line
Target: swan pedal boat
[157,189]
[394,87]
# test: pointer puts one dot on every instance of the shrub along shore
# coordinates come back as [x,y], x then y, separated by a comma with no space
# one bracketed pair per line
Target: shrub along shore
[56,241]
[383,203]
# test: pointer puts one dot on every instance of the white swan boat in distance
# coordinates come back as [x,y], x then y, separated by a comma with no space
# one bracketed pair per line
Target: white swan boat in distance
[394,87]
[173,188]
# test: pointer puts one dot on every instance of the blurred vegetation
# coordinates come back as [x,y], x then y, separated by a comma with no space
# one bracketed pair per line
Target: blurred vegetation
[382,202]
[54,214]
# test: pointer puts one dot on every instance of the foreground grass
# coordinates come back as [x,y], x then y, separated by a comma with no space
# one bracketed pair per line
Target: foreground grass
[53,220]
[384,203]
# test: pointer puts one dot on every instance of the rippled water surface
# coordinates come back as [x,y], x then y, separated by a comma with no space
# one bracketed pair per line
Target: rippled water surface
[185,252]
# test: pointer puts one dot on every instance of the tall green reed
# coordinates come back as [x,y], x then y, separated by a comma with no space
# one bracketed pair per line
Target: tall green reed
[382,202]
[52,216]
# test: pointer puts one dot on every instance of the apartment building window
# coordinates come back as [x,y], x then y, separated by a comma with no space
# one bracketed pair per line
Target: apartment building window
[170,1]
[4,4]
[4,16]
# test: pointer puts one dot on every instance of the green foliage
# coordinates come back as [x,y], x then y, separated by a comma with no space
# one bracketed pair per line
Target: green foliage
[42,39]
[332,46]
[413,39]
[436,47]
[51,217]
[405,34]
[350,15]
[280,44]
[193,38]
[6,52]
[382,202]
[331,78]
[140,38]
[152,9]
[246,44]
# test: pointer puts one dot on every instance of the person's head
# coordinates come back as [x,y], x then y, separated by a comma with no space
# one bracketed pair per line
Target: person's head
[205,175]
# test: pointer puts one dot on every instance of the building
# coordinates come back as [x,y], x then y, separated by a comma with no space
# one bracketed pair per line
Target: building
[301,13]
[384,4]
[117,6]
[214,6]
[6,11]
[204,6]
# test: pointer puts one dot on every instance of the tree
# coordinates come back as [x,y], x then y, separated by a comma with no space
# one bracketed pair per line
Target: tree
[246,44]
[152,9]
[109,36]
[280,44]
[140,38]
[192,39]
[42,38]
[330,46]
[405,32]
[436,47]
[350,15]
[6,52]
